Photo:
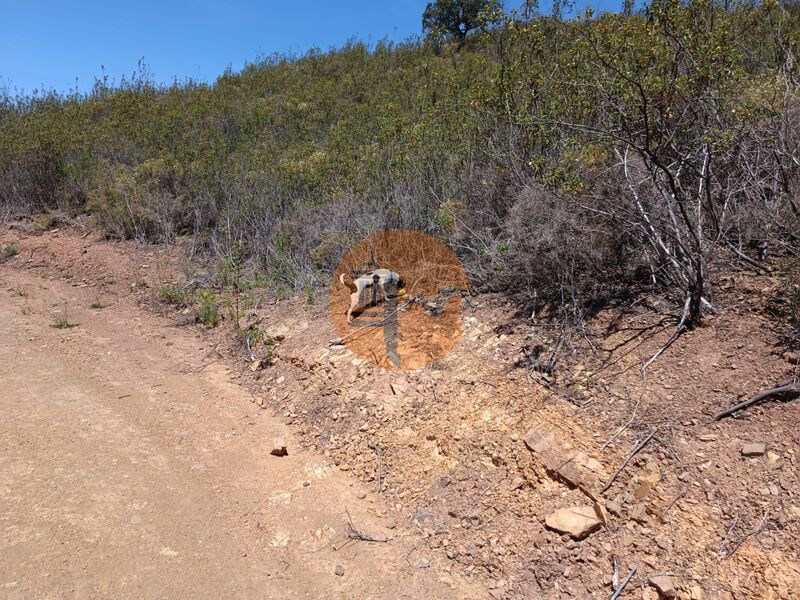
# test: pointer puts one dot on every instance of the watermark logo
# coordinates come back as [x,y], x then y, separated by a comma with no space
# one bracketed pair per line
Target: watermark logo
[395,299]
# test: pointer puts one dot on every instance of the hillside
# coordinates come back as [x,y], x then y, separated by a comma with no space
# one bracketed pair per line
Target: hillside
[564,161]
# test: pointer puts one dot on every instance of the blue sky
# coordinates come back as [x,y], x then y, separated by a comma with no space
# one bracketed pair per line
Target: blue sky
[48,44]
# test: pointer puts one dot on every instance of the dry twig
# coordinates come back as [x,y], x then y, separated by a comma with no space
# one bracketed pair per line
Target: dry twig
[354,534]
[483,493]
[631,454]
[759,528]
[378,465]
[618,592]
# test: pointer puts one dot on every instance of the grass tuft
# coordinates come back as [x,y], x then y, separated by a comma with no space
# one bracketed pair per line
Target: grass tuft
[62,323]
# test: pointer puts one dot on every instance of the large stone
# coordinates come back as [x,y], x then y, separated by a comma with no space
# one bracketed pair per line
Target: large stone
[665,585]
[542,442]
[754,449]
[570,474]
[578,521]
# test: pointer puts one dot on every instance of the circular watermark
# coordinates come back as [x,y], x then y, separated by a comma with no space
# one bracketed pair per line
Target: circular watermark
[395,299]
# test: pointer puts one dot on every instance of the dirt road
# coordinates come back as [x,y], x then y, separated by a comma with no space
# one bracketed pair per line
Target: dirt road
[130,467]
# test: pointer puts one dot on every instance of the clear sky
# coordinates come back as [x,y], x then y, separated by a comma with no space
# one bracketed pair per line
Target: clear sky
[47,44]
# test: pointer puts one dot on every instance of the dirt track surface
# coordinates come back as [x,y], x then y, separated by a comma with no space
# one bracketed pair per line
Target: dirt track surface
[134,454]
[131,466]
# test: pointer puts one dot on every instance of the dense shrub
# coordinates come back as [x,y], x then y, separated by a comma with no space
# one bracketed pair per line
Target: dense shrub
[564,160]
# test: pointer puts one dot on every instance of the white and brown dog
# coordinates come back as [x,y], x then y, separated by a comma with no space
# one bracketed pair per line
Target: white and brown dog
[377,277]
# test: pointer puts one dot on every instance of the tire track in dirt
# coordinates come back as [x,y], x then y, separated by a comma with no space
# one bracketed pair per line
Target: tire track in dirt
[126,471]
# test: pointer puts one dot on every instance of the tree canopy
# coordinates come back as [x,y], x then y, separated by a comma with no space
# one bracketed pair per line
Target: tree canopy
[454,19]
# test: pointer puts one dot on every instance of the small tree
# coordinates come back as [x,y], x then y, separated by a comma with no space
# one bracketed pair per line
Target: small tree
[452,20]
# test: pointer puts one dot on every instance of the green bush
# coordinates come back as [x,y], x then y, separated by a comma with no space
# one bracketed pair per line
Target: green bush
[8,251]
[208,311]
[172,294]
[279,168]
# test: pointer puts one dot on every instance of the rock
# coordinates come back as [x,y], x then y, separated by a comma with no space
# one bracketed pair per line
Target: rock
[601,513]
[570,473]
[646,481]
[540,541]
[695,593]
[614,507]
[707,437]
[754,449]
[306,483]
[517,483]
[588,463]
[542,442]
[665,585]
[649,594]
[390,524]
[361,495]
[339,570]
[423,564]
[639,514]
[279,447]
[578,521]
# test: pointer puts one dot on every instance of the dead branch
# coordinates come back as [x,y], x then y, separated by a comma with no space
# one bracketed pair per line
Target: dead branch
[789,391]
[758,529]
[678,331]
[636,449]
[483,493]
[633,415]
[673,503]
[618,592]
[354,534]
[378,465]
[746,259]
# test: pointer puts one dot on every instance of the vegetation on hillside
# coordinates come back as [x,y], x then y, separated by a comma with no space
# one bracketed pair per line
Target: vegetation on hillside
[566,161]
